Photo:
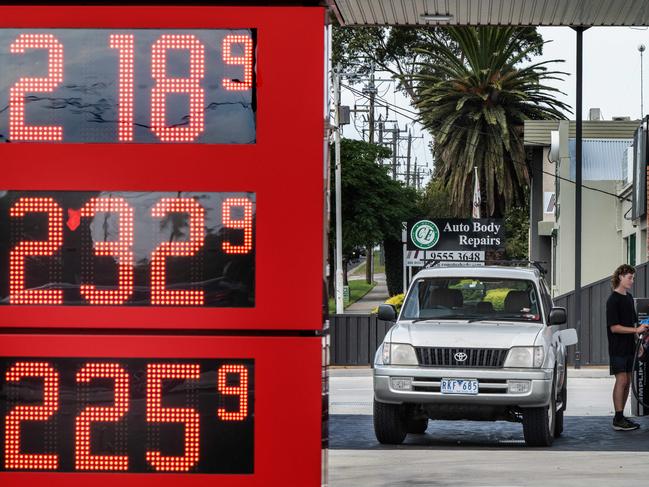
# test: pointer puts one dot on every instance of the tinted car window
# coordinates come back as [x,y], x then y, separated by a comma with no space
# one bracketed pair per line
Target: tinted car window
[473,299]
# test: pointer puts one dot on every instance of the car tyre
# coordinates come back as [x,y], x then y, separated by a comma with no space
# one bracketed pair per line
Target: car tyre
[558,420]
[417,426]
[539,423]
[389,423]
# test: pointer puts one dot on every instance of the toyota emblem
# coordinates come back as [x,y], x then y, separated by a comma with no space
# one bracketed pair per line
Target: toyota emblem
[460,357]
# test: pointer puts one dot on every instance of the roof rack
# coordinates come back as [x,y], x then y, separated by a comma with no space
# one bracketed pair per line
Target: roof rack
[536,263]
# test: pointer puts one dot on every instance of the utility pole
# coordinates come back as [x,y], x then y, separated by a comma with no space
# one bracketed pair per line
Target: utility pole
[338,186]
[393,142]
[416,175]
[395,147]
[408,175]
[408,158]
[371,90]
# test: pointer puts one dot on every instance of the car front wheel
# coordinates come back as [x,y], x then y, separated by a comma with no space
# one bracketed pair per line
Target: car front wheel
[390,425]
[539,423]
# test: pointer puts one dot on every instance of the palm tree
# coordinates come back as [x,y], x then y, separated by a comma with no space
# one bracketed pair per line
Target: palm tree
[475,104]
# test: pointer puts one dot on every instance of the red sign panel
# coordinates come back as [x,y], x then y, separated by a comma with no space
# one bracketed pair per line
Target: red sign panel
[159,410]
[164,167]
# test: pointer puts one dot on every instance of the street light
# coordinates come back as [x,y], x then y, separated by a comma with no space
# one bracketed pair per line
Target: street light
[641,48]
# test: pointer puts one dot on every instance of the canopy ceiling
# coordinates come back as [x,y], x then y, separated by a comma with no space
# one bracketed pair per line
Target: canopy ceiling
[494,12]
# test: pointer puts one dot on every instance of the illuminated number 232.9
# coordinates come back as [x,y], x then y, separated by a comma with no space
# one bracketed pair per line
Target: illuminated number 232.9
[121,249]
[190,85]
[84,460]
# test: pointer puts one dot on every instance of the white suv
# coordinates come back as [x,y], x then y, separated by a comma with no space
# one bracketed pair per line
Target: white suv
[475,343]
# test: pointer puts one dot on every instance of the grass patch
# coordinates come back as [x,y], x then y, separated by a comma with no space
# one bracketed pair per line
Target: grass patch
[357,289]
[378,268]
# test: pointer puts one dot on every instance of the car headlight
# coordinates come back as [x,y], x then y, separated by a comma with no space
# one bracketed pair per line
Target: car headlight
[398,354]
[525,357]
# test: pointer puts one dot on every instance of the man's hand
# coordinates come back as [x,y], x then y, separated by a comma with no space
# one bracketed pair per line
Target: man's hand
[641,329]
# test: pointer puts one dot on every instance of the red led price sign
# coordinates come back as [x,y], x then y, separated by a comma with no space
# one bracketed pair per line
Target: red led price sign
[139,103]
[110,86]
[158,211]
[127,248]
[159,411]
[127,415]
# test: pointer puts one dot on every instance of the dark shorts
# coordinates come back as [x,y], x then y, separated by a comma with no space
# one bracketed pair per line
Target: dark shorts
[623,363]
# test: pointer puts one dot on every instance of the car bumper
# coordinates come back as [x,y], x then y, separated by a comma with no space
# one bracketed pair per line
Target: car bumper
[497,387]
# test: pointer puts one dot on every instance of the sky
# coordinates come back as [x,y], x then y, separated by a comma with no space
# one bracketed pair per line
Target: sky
[388,95]
[611,78]
[611,67]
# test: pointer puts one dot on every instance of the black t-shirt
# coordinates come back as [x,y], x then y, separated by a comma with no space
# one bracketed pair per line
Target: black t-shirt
[620,310]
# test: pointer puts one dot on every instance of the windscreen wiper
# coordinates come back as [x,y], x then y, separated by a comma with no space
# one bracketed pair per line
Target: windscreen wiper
[494,318]
[434,318]
[483,317]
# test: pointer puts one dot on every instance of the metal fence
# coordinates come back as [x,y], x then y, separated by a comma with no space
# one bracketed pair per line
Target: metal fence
[355,338]
[593,344]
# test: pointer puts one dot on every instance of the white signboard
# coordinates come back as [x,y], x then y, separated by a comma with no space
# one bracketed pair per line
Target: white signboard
[416,258]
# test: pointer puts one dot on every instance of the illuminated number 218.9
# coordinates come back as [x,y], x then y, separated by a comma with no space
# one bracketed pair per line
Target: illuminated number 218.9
[163,84]
[84,459]
[121,249]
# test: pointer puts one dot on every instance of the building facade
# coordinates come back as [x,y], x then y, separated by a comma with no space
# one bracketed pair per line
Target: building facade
[614,228]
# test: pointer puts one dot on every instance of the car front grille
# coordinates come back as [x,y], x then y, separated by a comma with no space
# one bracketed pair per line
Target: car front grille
[451,357]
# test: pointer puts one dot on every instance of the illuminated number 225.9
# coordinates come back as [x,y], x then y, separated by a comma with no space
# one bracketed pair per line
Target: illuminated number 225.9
[122,249]
[84,459]
[125,45]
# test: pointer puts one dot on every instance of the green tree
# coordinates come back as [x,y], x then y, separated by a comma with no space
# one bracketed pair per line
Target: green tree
[475,107]
[401,51]
[434,202]
[373,205]
[517,224]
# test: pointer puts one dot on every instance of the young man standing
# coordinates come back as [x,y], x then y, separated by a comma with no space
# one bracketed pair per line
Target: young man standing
[621,320]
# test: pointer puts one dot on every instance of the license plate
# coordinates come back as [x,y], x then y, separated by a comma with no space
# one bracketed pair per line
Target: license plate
[459,386]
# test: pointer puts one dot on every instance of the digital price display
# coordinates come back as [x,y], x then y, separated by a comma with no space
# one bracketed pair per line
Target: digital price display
[162,203]
[159,411]
[127,248]
[127,86]
[178,152]
[127,415]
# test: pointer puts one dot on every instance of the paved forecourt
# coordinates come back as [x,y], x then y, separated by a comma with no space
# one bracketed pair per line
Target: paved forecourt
[472,453]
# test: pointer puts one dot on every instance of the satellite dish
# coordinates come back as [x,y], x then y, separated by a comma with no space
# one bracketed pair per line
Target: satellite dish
[554,146]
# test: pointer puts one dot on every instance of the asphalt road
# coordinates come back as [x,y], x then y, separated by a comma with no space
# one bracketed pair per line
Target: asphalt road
[590,453]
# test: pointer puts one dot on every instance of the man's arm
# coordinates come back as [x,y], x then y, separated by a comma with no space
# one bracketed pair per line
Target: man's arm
[628,329]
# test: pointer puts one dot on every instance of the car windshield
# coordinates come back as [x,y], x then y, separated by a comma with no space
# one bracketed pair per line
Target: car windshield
[473,299]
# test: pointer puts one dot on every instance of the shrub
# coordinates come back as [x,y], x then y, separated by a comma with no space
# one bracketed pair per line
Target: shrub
[396,301]
[469,293]
[497,298]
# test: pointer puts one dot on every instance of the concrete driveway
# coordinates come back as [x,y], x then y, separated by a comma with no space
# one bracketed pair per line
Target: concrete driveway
[468,453]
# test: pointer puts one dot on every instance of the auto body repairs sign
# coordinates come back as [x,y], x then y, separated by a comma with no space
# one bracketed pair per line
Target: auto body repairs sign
[453,239]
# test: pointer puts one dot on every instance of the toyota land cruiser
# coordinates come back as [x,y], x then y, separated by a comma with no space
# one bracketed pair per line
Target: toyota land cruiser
[474,343]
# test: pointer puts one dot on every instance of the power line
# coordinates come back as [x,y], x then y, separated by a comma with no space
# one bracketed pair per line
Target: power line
[394,108]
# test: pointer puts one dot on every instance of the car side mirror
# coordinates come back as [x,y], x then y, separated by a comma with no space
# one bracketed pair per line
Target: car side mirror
[387,312]
[557,316]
